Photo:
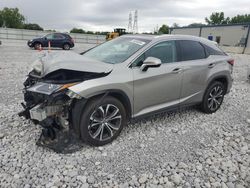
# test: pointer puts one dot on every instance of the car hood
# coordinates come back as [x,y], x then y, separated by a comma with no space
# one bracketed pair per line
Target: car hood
[53,61]
[39,38]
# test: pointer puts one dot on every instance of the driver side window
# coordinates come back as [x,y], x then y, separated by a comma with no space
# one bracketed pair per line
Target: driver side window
[49,36]
[165,51]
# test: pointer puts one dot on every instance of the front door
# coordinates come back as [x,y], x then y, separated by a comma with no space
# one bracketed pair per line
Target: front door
[49,38]
[157,88]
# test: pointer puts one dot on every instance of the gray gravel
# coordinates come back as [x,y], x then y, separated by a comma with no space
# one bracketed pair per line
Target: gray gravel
[178,149]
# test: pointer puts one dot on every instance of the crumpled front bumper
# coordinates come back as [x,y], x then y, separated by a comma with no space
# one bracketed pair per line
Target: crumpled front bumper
[40,113]
[54,118]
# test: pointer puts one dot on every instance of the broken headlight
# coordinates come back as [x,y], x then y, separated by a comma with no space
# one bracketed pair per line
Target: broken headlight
[72,95]
[44,88]
[48,88]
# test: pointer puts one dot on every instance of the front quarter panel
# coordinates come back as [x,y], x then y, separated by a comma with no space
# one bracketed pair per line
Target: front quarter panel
[119,80]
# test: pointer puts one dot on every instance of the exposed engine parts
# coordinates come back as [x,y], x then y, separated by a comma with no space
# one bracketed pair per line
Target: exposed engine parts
[48,102]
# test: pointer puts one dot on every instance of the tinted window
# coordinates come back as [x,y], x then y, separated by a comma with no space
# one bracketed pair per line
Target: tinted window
[212,51]
[191,50]
[165,51]
[58,36]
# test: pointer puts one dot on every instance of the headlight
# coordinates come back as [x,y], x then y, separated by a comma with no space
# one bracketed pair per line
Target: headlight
[47,88]
[44,88]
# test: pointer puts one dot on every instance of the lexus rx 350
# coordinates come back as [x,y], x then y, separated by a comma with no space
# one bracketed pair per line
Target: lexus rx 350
[96,92]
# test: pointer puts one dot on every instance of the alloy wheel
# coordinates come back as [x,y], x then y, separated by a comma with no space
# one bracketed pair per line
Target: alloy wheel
[66,47]
[215,98]
[37,46]
[105,121]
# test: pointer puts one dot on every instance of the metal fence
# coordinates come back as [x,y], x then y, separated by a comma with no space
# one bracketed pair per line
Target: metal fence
[23,34]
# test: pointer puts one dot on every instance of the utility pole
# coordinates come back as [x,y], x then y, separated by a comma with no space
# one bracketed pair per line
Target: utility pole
[135,26]
[130,23]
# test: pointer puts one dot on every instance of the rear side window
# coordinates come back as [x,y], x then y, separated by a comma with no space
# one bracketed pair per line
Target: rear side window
[191,50]
[67,36]
[212,51]
[58,36]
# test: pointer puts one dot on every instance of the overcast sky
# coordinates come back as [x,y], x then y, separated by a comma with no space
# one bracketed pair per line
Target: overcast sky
[104,15]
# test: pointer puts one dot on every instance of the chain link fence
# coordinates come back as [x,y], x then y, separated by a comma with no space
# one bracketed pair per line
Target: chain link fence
[23,34]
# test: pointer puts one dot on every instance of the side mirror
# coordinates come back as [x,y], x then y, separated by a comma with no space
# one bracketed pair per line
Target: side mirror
[150,62]
[45,38]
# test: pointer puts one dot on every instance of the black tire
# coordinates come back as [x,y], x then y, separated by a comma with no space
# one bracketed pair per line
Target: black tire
[37,45]
[213,97]
[66,46]
[95,128]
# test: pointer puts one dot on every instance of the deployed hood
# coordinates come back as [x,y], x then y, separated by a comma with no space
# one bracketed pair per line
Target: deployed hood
[53,61]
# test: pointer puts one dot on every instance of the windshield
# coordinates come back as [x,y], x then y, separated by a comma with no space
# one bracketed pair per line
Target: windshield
[116,50]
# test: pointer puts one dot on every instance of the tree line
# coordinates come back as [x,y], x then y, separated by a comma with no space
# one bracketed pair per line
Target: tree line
[79,30]
[12,18]
[216,18]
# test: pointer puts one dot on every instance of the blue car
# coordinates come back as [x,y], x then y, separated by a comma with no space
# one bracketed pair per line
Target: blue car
[57,40]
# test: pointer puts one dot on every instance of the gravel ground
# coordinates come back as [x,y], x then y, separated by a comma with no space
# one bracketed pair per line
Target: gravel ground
[178,149]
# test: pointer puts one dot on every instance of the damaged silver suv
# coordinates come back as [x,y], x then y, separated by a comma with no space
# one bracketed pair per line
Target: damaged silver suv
[96,92]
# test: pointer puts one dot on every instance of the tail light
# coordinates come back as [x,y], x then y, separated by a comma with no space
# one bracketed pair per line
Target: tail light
[72,40]
[231,62]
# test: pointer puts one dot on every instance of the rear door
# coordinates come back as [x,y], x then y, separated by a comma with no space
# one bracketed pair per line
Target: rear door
[58,40]
[195,66]
[160,87]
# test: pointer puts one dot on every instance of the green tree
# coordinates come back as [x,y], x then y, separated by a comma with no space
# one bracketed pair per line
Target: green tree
[32,27]
[217,18]
[195,25]
[175,25]
[76,30]
[1,19]
[164,29]
[50,30]
[10,17]
[101,32]
[241,19]
[89,32]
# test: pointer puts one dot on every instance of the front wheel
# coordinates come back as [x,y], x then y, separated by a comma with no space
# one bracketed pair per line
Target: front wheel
[102,121]
[213,97]
[37,46]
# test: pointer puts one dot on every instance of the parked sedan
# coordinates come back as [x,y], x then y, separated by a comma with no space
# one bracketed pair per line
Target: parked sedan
[57,40]
[97,92]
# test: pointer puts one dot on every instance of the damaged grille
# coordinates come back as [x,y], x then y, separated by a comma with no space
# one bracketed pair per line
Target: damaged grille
[63,76]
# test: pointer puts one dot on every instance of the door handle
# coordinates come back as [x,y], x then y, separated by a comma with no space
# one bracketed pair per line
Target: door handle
[176,70]
[211,65]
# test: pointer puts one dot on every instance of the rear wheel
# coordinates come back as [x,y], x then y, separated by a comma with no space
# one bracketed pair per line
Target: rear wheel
[102,121]
[66,46]
[213,97]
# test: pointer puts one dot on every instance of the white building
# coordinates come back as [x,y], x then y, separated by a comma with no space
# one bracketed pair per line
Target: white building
[231,37]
